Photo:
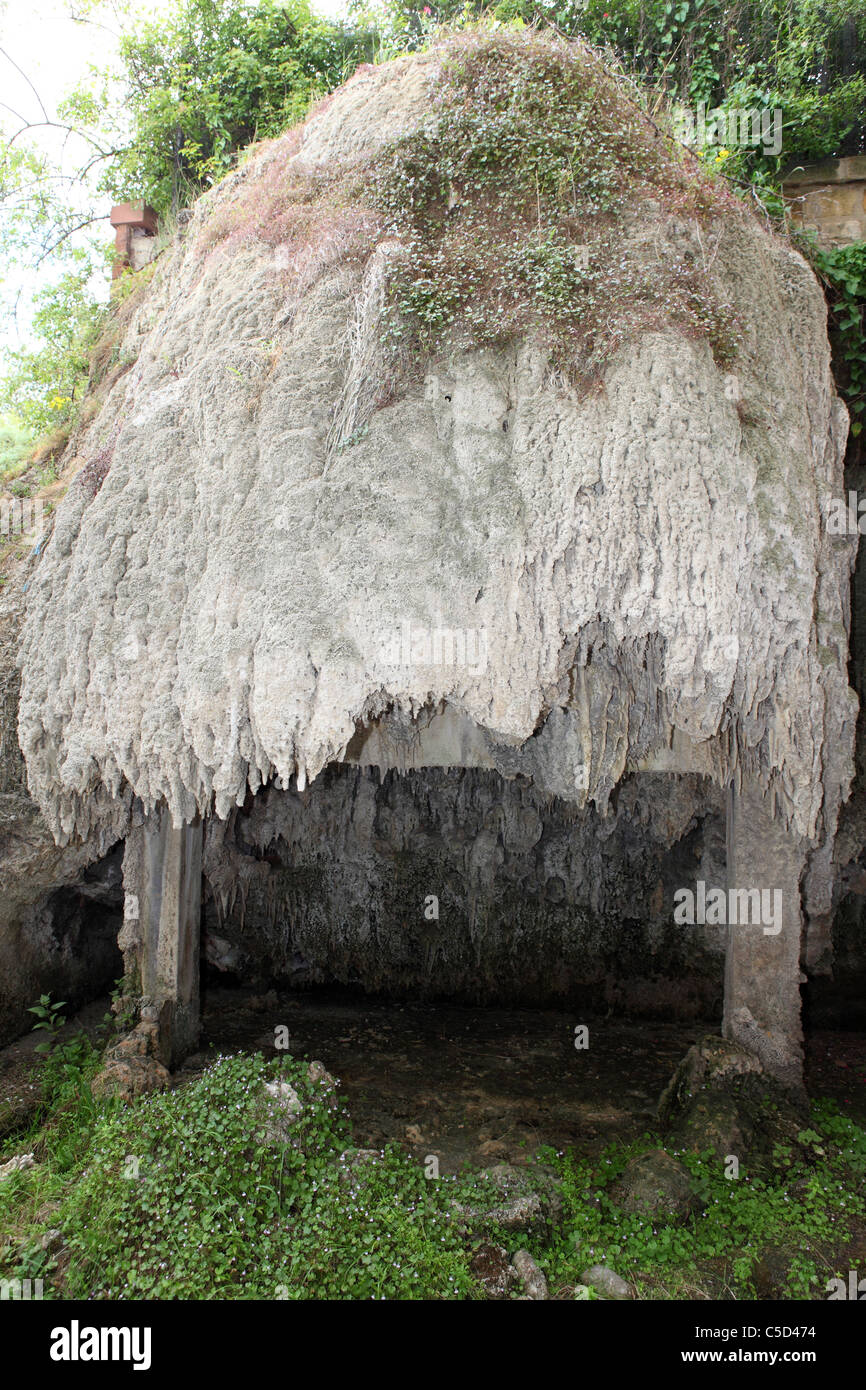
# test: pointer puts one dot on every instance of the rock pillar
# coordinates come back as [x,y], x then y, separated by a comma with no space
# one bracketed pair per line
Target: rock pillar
[762,963]
[160,936]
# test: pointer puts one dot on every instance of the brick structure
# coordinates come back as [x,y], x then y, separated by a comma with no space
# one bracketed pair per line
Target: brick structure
[135,227]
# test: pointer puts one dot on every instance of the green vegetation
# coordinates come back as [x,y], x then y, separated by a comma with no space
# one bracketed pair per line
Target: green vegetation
[511,211]
[212,1191]
[844,272]
[801,1208]
[46,385]
[16,443]
[192,89]
[217,1209]
[806,56]
[187,1194]
[69,1061]
[209,78]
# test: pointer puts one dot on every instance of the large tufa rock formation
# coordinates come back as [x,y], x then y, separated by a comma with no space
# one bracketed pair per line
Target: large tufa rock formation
[476,349]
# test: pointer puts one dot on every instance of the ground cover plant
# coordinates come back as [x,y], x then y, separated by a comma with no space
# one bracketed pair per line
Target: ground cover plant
[219,1189]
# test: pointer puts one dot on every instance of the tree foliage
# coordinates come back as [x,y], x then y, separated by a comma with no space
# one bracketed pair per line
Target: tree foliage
[44,385]
[211,77]
[191,89]
[806,56]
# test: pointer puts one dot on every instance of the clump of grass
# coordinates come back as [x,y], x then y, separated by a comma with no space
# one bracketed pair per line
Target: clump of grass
[59,1136]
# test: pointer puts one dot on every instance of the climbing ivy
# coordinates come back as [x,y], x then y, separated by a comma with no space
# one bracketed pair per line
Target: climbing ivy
[807,57]
[844,272]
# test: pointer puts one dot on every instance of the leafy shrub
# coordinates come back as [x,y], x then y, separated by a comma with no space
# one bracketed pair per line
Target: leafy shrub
[806,56]
[844,271]
[44,386]
[16,444]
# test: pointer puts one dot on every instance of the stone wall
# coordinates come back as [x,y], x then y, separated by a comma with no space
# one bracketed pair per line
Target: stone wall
[830,199]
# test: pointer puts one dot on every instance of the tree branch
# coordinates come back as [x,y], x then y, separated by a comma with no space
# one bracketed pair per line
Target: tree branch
[49,251]
[27,80]
[107,154]
[16,114]
[55,125]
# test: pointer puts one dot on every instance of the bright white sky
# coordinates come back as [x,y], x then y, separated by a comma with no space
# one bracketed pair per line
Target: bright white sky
[55,50]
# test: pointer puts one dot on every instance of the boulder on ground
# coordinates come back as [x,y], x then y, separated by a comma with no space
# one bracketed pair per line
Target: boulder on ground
[318,1075]
[528,1202]
[17,1164]
[130,1077]
[280,1107]
[530,1276]
[711,1062]
[494,1271]
[658,1185]
[720,1099]
[606,1282]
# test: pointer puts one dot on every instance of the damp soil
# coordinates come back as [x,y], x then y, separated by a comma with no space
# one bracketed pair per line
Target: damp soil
[475,1086]
[479,1086]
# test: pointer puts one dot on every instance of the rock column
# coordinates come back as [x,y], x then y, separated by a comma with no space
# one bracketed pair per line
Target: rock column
[762,964]
[160,936]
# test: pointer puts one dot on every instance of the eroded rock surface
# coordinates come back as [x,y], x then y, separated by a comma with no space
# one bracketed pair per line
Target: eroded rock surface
[648,565]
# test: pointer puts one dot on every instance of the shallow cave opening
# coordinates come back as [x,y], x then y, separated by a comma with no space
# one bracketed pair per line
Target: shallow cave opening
[65,945]
[466,886]
[485,967]
[85,920]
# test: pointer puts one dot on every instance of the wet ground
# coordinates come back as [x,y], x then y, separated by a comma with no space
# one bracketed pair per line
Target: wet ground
[472,1086]
[484,1086]
[836,1067]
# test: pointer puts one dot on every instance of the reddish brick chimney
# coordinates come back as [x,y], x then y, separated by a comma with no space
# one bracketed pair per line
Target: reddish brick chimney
[135,226]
